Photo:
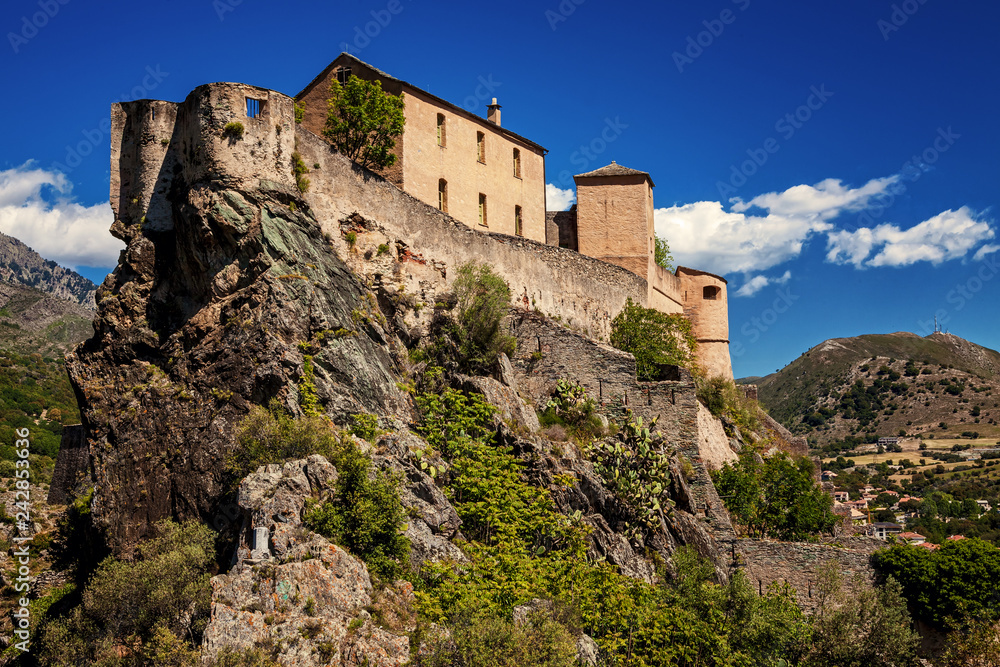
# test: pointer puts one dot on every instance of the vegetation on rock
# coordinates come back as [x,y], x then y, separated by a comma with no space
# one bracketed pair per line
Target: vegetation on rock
[483,301]
[725,400]
[365,515]
[150,610]
[661,254]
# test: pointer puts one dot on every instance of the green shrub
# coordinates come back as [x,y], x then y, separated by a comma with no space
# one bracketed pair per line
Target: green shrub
[862,626]
[233,130]
[571,407]
[299,170]
[483,301]
[365,426]
[655,339]
[365,516]
[488,641]
[272,436]
[151,610]
[635,466]
[776,497]
[724,399]
[308,399]
[248,657]
[948,587]
[351,238]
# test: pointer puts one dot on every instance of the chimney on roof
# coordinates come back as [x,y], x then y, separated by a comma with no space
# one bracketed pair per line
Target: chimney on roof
[494,113]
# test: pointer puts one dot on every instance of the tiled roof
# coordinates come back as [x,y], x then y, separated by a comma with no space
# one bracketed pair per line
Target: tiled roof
[614,169]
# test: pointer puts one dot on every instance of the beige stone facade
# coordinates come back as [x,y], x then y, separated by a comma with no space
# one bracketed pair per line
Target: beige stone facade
[613,222]
[469,166]
[607,198]
[494,180]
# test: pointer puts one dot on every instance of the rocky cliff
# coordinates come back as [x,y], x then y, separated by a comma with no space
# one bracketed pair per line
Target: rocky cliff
[238,288]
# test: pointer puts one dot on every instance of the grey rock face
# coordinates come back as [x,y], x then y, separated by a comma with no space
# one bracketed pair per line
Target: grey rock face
[293,590]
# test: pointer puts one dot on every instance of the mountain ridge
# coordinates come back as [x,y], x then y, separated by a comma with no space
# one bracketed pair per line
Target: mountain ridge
[908,383]
[20,265]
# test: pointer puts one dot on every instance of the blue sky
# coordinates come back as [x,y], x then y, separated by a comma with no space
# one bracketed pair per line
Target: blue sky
[837,162]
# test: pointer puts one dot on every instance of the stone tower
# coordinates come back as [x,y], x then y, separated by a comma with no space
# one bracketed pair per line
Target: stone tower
[614,212]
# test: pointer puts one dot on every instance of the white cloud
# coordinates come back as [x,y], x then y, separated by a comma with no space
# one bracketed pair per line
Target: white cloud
[823,201]
[54,225]
[705,236]
[774,227]
[757,283]
[948,235]
[557,199]
[985,250]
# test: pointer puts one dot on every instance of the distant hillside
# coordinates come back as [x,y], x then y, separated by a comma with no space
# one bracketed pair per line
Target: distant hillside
[886,384]
[20,265]
[32,321]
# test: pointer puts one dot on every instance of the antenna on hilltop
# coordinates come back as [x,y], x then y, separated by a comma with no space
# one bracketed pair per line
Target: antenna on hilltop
[937,327]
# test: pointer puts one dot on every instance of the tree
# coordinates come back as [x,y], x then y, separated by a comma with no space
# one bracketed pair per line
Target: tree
[661,254]
[653,338]
[947,587]
[868,626]
[363,122]
[132,611]
[775,497]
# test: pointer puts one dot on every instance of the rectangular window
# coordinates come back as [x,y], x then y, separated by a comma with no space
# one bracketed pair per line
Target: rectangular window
[517,221]
[442,136]
[343,74]
[517,163]
[481,147]
[443,195]
[482,209]
[254,107]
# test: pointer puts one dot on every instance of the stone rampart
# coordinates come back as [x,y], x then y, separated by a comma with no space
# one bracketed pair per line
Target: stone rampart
[582,291]
[153,141]
[547,352]
[72,464]
[800,564]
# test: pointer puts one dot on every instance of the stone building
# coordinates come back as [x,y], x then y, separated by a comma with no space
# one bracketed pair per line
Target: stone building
[467,166]
[494,180]
[613,221]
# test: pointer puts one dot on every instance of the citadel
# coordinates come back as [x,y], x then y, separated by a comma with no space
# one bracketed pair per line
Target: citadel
[465,167]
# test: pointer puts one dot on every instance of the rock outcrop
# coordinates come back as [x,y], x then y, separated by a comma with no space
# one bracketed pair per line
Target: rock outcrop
[226,296]
[306,601]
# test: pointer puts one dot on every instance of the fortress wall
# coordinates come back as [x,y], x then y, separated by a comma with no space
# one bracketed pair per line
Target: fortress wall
[584,292]
[154,141]
[665,290]
[799,564]
[138,132]
[608,375]
[72,464]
